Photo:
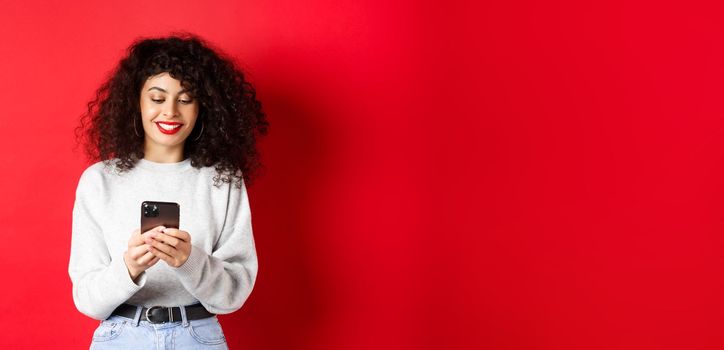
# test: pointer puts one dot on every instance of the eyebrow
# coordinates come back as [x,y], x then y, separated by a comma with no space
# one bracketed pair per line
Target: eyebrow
[158,88]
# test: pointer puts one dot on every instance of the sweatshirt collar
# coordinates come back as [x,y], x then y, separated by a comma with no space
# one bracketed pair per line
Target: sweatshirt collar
[164,167]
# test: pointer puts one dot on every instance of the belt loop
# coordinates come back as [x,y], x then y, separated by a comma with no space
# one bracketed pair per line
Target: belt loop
[137,318]
[183,316]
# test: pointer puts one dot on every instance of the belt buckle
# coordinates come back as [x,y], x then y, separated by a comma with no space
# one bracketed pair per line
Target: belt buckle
[170,314]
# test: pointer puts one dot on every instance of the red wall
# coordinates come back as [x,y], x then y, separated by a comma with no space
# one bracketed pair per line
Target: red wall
[511,175]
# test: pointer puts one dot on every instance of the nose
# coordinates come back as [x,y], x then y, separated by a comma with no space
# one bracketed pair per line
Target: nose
[170,110]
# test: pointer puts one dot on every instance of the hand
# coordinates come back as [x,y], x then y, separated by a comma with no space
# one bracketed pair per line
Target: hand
[139,257]
[170,245]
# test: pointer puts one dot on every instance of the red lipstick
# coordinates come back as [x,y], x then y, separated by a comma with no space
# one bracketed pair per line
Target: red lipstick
[171,127]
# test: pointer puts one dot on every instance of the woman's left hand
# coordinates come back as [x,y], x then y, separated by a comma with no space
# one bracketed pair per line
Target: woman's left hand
[171,245]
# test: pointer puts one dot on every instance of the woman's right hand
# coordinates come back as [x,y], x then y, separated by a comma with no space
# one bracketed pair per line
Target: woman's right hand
[138,257]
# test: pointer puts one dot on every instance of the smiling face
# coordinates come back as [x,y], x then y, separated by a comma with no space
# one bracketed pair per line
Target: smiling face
[168,113]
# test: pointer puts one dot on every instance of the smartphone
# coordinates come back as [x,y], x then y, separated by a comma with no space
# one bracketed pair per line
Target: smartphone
[159,213]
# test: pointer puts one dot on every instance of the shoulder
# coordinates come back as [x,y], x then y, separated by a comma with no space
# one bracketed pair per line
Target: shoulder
[101,168]
[221,180]
[95,174]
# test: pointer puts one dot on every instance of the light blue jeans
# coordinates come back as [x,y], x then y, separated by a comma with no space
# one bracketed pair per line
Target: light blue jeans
[118,332]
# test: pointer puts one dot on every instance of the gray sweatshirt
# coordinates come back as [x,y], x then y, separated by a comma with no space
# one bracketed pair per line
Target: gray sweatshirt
[221,270]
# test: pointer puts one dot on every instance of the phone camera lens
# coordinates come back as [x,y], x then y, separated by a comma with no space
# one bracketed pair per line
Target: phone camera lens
[150,210]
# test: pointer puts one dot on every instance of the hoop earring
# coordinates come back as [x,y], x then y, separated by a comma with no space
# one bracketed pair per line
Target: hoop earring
[134,128]
[200,133]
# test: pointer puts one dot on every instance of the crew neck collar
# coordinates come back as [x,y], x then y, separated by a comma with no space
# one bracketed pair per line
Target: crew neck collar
[164,167]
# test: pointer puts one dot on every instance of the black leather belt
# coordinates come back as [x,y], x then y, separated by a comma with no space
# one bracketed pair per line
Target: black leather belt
[163,314]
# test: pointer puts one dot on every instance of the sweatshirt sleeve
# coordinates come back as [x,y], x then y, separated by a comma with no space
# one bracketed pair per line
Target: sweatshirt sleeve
[223,280]
[101,281]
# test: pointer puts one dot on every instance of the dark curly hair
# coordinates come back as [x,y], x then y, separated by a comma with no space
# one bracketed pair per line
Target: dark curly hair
[231,116]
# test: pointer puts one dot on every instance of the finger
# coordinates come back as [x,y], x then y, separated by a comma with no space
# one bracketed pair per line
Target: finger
[163,247]
[182,235]
[162,237]
[154,260]
[135,238]
[137,252]
[146,259]
[163,256]
[138,240]
[155,229]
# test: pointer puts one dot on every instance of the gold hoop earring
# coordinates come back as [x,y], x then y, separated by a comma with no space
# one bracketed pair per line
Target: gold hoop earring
[134,128]
[200,133]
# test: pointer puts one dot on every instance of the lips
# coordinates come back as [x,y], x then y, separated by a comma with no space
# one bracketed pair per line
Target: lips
[168,128]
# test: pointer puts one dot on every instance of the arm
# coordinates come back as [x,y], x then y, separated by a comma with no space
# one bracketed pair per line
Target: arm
[101,282]
[223,280]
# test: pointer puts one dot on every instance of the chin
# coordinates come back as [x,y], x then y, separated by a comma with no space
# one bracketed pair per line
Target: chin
[178,140]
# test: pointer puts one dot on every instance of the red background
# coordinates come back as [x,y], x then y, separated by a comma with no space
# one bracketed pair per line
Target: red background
[509,175]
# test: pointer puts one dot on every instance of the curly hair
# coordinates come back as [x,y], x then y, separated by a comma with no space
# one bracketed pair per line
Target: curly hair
[231,118]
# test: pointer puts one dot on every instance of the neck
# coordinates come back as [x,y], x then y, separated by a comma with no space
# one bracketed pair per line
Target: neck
[172,154]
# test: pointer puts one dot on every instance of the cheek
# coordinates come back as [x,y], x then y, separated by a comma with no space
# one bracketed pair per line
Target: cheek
[148,111]
[192,114]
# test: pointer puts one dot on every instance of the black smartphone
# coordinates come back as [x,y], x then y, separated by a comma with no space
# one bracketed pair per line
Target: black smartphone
[159,213]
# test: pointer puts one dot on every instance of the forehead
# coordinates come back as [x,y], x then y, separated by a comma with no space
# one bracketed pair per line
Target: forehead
[163,81]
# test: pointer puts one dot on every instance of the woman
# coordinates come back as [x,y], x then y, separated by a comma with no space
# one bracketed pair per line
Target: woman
[175,122]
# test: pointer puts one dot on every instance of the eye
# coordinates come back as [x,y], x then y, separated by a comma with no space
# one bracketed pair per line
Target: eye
[157,101]
[186,101]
